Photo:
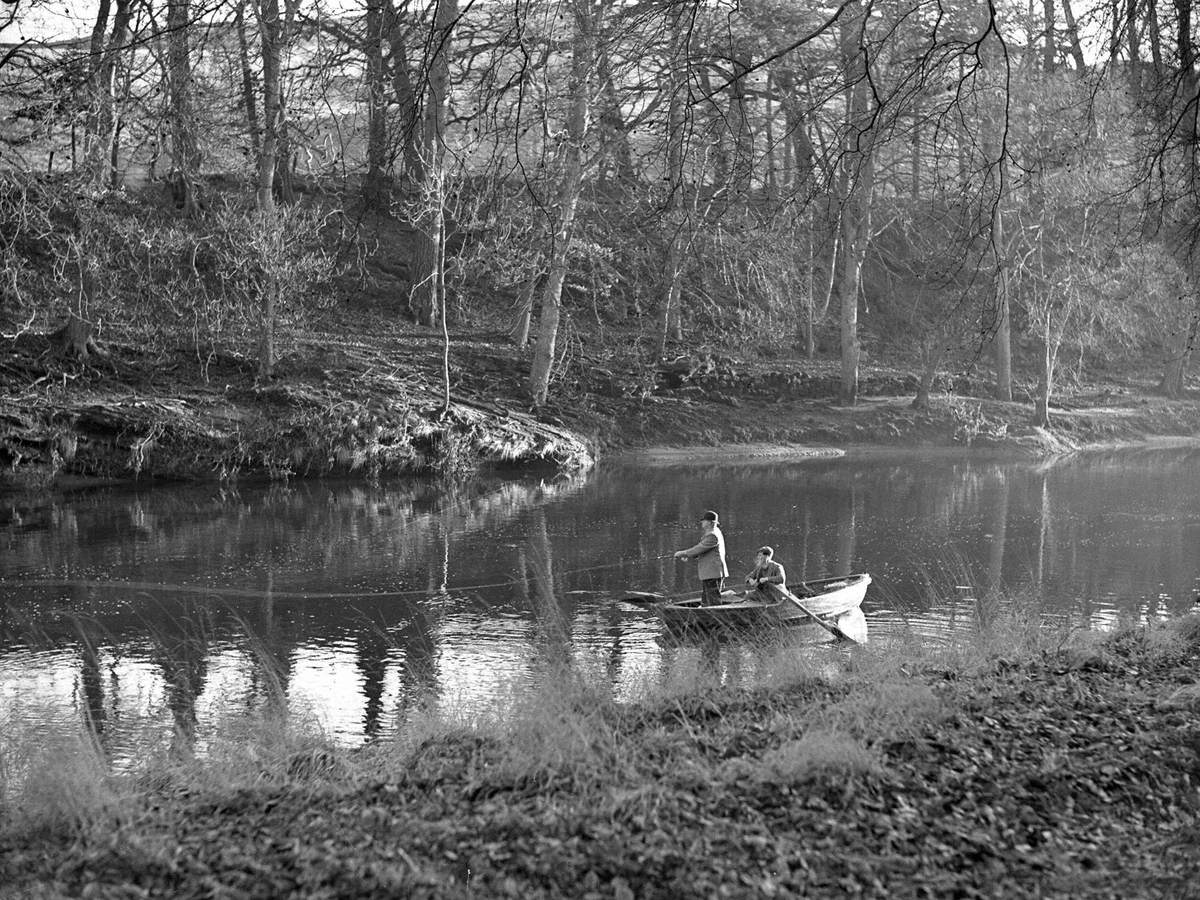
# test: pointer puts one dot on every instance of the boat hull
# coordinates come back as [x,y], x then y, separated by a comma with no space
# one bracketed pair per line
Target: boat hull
[826,598]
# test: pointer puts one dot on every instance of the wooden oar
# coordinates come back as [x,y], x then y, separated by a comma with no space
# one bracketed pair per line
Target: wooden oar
[831,627]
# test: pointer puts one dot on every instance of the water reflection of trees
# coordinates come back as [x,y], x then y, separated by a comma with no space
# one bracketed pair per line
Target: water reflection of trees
[338,532]
[263,551]
[180,645]
[1060,531]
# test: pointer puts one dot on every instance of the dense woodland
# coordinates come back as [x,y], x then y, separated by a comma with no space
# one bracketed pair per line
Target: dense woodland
[940,182]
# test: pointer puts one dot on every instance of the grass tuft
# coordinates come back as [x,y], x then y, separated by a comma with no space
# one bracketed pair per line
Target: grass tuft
[819,753]
[888,711]
[63,787]
[564,730]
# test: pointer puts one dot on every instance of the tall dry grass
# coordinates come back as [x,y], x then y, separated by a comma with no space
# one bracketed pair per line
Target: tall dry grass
[568,730]
[61,785]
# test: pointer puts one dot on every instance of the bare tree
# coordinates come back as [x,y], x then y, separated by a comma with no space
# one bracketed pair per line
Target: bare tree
[185,149]
[272,35]
[855,182]
[429,239]
[571,156]
[106,49]
[377,185]
[677,80]
[249,89]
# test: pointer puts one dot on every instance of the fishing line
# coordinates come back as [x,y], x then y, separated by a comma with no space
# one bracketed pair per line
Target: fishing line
[286,595]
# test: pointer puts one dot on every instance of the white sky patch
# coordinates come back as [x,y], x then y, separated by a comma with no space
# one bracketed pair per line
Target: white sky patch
[45,22]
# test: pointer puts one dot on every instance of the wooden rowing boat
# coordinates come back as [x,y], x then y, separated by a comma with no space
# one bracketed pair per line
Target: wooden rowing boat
[827,599]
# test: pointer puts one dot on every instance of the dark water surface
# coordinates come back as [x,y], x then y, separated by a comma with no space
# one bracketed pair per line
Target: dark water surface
[152,612]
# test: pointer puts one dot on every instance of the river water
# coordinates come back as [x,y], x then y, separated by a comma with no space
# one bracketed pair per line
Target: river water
[166,611]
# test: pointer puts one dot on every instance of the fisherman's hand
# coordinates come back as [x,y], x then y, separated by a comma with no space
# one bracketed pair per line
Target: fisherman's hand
[680,554]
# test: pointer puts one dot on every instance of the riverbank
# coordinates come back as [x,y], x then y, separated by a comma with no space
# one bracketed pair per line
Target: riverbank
[1019,765]
[372,402]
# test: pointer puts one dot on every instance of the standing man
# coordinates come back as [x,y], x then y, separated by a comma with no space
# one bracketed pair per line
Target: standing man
[710,554]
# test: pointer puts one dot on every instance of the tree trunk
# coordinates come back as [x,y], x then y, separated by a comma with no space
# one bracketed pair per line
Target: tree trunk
[285,158]
[673,216]
[272,289]
[442,316]
[1002,338]
[96,45]
[1188,79]
[1133,40]
[100,134]
[271,33]
[742,167]
[1156,42]
[1002,327]
[582,53]
[770,182]
[1049,46]
[430,222]
[377,187]
[425,252]
[96,99]
[670,323]
[857,181]
[405,96]
[524,318]
[114,147]
[999,329]
[855,237]
[1073,37]
[1041,409]
[285,152]
[611,125]
[915,156]
[76,339]
[717,128]
[185,149]
[249,89]
[930,359]
[1175,372]
[669,309]
[829,288]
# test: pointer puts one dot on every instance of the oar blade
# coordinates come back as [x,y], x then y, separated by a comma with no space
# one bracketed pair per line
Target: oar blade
[831,627]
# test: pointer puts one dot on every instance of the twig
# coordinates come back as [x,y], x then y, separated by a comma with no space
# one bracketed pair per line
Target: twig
[24,328]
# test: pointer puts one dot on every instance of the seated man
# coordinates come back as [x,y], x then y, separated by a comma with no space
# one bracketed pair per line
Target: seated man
[765,572]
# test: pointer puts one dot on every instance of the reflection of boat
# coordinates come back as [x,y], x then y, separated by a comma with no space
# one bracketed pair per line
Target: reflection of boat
[828,599]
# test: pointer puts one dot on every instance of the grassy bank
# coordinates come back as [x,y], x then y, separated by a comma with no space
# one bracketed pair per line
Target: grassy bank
[366,398]
[1024,762]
